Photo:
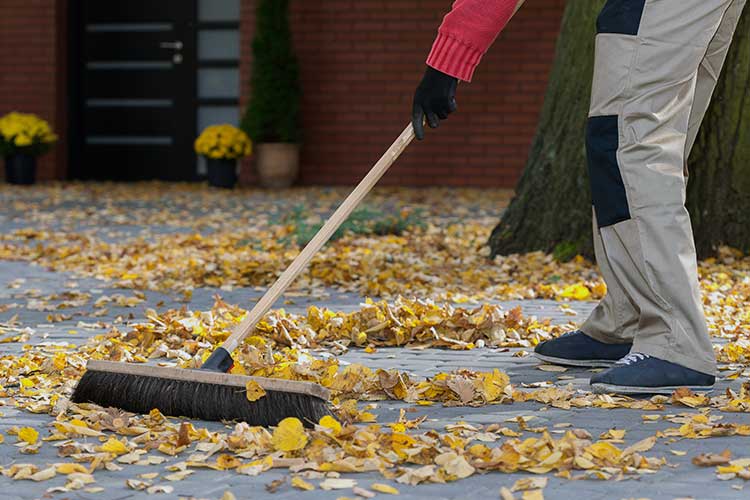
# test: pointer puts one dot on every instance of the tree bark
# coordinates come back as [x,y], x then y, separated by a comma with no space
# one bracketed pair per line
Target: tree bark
[552,212]
[719,184]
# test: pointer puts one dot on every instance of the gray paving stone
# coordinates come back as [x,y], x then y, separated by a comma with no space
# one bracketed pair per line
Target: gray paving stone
[682,480]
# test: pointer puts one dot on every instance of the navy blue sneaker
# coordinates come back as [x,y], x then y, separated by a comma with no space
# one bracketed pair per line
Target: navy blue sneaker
[578,349]
[639,373]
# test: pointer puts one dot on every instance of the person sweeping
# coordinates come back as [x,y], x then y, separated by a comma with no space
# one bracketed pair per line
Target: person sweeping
[656,66]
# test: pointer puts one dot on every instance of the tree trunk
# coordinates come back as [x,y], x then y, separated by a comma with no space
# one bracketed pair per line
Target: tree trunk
[552,207]
[719,185]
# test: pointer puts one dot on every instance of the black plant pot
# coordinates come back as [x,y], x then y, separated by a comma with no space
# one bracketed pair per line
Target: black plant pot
[222,173]
[20,169]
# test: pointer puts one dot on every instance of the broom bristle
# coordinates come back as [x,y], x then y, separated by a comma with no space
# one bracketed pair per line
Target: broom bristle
[199,400]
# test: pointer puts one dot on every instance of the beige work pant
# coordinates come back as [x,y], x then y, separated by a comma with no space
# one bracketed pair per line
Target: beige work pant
[657,63]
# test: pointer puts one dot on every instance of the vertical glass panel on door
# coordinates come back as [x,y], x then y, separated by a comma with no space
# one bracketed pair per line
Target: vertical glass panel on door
[218,10]
[219,83]
[215,115]
[216,45]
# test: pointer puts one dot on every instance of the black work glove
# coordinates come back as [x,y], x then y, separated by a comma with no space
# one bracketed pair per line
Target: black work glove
[435,98]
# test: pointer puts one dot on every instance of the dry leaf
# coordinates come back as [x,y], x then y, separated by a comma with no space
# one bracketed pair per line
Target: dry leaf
[159,488]
[253,391]
[552,368]
[301,484]
[712,459]
[463,388]
[337,484]
[274,485]
[384,488]
[533,495]
[289,435]
[505,494]
[361,492]
[640,446]
[529,483]
[28,435]
[183,436]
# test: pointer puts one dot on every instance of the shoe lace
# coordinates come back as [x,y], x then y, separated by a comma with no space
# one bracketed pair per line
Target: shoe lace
[633,357]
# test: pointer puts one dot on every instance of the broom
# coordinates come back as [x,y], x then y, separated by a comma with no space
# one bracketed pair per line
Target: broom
[209,393]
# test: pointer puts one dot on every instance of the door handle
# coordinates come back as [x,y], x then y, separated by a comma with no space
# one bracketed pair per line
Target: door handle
[176,45]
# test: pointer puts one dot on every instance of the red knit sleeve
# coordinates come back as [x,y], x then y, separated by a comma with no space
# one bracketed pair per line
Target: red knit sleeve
[467,32]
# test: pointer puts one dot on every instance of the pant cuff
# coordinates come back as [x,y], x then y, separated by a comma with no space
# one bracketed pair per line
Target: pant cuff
[667,354]
[604,338]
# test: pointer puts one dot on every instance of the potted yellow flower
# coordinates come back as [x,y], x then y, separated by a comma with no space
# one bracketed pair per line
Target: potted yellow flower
[222,145]
[23,137]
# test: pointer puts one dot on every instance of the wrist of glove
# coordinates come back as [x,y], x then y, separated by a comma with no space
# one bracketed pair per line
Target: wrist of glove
[434,100]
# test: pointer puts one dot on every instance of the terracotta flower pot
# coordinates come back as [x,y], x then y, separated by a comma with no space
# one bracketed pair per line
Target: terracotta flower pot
[20,169]
[277,164]
[221,172]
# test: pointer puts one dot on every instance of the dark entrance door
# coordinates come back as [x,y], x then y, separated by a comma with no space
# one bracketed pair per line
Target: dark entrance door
[133,89]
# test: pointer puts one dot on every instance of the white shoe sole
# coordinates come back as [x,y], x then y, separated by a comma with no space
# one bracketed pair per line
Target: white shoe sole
[626,389]
[582,363]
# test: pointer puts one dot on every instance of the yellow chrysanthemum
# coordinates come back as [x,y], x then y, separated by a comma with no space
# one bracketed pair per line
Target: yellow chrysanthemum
[223,142]
[22,130]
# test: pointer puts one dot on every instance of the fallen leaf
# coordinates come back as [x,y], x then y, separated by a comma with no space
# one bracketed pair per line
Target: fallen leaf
[301,484]
[253,391]
[337,484]
[28,435]
[289,435]
[384,488]
[712,459]
[552,368]
[529,483]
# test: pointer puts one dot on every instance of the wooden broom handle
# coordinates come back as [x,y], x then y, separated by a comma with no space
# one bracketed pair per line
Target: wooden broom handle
[321,238]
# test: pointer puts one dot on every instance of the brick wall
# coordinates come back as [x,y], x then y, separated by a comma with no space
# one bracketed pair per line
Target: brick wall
[360,62]
[32,62]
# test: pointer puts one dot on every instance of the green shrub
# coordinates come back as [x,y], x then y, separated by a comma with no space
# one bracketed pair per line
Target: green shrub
[363,221]
[272,114]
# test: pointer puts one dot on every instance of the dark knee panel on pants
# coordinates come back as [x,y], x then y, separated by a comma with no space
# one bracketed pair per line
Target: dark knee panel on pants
[621,17]
[607,187]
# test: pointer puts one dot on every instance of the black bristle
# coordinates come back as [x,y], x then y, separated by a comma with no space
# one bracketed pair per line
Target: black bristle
[177,398]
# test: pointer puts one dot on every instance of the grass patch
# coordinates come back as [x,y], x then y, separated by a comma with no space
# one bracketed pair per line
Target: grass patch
[363,221]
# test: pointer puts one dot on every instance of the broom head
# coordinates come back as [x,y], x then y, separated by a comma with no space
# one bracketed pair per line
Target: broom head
[199,394]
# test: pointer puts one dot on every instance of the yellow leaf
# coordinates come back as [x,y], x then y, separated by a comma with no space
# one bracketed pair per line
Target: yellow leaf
[289,435]
[331,424]
[533,495]
[225,461]
[505,494]
[254,391]
[529,483]
[728,469]
[605,451]
[616,434]
[114,445]
[384,488]
[28,435]
[301,484]
[640,446]
[59,361]
[578,292]
[69,468]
